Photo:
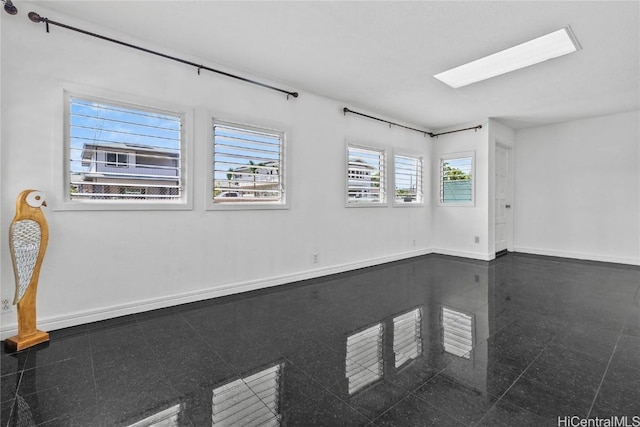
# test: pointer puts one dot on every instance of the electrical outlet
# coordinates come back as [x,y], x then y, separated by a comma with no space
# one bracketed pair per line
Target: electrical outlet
[6,305]
[315,258]
[476,239]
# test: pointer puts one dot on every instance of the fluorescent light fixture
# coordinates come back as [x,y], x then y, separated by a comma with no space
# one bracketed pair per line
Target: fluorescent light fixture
[552,45]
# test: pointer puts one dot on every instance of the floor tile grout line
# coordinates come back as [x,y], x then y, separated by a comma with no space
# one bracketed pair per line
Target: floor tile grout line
[327,390]
[519,376]
[19,382]
[595,397]
[410,392]
[156,361]
[233,367]
[93,373]
[437,373]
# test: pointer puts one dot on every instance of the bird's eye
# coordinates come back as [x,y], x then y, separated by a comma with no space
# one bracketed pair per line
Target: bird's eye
[38,197]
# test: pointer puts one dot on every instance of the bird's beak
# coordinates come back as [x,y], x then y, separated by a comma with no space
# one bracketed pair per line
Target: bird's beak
[44,203]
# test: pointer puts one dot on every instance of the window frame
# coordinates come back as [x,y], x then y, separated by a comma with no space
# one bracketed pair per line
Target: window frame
[283,169]
[62,200]
[117,163]
[384,199]
[451,156]
[419,190]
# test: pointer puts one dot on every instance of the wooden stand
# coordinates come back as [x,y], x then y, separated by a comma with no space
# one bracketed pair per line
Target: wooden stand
[17,343]
[28,334]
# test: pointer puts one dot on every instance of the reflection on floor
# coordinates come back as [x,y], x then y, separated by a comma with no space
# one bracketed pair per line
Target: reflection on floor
[433,340]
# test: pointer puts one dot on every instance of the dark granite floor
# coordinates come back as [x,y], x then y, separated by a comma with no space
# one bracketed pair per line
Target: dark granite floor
[429,341]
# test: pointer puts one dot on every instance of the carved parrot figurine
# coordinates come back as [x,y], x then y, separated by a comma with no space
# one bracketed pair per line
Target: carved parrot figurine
[28,238]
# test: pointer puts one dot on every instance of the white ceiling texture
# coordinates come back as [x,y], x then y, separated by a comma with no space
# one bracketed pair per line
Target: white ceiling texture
[381,56]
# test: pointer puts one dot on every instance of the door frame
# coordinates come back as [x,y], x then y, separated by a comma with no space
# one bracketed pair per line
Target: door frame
[509,195]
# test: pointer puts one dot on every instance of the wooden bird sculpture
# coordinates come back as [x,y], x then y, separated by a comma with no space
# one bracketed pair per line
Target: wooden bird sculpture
[28,238]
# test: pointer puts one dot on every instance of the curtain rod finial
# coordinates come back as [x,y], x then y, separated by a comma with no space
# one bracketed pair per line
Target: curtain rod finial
[35,17]
[10,8]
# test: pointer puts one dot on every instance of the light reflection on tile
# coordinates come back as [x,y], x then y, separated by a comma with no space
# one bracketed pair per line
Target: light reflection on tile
[364,358]
[458,332]
[407,337]
[251,400]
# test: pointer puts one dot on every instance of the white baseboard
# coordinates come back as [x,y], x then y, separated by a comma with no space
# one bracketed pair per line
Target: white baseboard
[94,315]
[577,255]
[464,254]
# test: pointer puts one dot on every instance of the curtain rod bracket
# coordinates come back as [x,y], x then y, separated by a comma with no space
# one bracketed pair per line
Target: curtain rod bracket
[33,16]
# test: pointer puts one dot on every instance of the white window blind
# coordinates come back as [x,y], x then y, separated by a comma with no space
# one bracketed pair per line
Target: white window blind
[120,152]
[364,358]
[407,337]
[458,332]
[247,164]
[408,179]
[365,175]
[456,180]
[249,401]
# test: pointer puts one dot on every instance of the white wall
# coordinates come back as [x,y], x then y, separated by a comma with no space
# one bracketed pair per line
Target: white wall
[101,264]
[455,227]
[578,189]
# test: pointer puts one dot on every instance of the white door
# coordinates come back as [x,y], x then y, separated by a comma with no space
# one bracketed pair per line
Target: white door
[502,206]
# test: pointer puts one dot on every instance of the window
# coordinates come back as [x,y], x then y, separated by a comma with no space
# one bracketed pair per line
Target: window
[364,357]
[456,180]
[407,337]
[247,165]
[408,179]
[123,153]
[365,176]
[457,330]
[252,400]
[117,160]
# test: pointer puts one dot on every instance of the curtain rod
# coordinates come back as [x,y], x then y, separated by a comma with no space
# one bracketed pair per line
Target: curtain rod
[33,16]
[346,110]
[431,134]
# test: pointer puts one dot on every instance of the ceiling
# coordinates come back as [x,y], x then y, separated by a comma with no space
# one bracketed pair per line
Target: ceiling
[381,56]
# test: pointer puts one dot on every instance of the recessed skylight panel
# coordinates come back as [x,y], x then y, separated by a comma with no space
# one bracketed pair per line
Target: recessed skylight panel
[549,46]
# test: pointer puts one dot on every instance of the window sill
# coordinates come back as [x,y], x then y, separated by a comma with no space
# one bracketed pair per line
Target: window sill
[408,205]
[456,205]
[245,206]
[366,205]
[113,205]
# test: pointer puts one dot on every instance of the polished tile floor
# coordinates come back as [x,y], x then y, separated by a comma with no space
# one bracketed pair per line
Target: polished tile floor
[432,340]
